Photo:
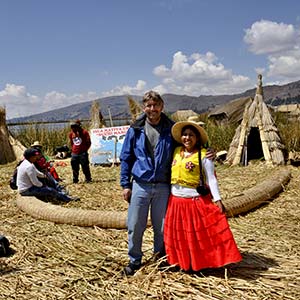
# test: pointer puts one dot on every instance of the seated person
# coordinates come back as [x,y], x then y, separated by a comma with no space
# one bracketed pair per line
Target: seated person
[44,163]
[28,180]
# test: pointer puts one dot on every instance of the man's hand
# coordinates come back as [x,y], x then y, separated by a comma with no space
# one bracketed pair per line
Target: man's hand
[210,154]
[127,195]
[220,205]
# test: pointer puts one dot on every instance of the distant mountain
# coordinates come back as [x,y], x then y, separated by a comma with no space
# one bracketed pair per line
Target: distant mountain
[118,105]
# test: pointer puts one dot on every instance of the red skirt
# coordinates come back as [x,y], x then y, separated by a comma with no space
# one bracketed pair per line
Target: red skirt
[197,235]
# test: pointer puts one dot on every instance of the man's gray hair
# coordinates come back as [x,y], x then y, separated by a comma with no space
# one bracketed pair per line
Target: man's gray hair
[151,95]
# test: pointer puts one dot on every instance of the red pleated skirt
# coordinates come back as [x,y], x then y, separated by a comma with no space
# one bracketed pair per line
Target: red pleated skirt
[197,235]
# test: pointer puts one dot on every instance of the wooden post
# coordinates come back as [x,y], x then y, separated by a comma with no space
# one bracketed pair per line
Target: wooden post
[110,118]
[244,125]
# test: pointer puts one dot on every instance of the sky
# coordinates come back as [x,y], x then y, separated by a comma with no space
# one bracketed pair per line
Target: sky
[61,52]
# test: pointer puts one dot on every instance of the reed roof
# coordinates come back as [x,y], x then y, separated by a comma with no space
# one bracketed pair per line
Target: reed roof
[229,113]
[183,115]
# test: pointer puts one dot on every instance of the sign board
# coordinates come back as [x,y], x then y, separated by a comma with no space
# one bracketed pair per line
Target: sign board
[106,145]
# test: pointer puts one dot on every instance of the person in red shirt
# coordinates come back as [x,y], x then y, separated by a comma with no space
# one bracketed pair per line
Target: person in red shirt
[43,163]
[80,143]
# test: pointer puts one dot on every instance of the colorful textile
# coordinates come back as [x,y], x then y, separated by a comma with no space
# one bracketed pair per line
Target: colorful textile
[185,170]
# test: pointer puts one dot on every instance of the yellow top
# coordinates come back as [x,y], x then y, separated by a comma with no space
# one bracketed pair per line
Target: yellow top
[185,170]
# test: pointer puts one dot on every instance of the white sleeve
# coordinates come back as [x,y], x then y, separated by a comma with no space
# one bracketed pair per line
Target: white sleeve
[209,169]
[39,173]
[33,173]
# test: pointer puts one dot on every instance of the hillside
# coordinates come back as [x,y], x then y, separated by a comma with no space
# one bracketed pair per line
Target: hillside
[118,105]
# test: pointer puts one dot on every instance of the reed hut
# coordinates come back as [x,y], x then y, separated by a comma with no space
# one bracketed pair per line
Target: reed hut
[229,113]
[7,153]
[183,115]
[257,136]
[292,111]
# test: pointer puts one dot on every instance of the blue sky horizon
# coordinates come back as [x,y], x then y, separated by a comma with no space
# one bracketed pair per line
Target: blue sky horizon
[59,53]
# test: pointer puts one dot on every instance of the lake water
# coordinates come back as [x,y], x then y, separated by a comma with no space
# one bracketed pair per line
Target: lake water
[14,128]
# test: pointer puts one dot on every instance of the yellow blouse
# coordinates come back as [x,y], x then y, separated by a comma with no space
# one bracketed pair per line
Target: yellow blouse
[185,170]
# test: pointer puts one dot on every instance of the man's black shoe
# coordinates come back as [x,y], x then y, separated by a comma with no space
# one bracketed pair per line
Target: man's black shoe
[130,269]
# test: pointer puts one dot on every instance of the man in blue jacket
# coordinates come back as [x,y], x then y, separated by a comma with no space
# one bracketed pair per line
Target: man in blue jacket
[145,176]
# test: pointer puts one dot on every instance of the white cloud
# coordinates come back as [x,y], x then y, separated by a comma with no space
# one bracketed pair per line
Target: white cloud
[265,37]
[199,74]
[285,66]
[139,88]
[195,74]
[160,89]
[18,102]
[55,99]
[281,43]
[12,93]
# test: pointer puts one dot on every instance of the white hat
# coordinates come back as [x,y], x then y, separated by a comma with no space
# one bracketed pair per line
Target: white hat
[36,144]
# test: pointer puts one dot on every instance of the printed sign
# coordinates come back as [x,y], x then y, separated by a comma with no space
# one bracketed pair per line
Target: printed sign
[106,145]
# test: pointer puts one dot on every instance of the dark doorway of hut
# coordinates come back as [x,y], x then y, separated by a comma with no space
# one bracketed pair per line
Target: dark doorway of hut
[253,147]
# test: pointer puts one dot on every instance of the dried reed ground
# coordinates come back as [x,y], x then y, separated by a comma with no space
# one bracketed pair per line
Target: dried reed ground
[54,261]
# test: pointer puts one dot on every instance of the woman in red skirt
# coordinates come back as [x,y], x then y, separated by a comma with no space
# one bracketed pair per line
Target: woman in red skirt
[196,231]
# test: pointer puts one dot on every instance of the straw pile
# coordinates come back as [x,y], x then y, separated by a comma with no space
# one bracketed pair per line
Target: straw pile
[58,261]
[18,148]
[134,108]
[7,154]
[97,120]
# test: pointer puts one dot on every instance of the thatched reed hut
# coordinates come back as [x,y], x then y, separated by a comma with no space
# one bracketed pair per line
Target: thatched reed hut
[229,113]
[183,115]
[292,111]
[257,136]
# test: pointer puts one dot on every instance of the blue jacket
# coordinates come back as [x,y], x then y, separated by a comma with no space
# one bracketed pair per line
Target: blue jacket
[136,162]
